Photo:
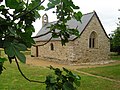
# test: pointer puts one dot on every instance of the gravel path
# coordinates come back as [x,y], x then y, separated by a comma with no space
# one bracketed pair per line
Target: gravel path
[38,62]
[105,78]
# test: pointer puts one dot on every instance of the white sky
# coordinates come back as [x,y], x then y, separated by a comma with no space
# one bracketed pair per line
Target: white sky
[107,11]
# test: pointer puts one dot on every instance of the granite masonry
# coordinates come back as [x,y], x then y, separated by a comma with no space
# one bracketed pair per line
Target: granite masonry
[92,46]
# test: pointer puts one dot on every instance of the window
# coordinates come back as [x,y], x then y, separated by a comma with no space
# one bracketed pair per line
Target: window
[89,42]
[52,46]
[93,40]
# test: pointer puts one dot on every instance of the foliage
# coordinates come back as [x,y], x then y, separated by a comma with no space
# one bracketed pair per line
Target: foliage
[16,28]
[115,40]
[16,25]
[62,81]
[115,56]
[64,12]
[1,64]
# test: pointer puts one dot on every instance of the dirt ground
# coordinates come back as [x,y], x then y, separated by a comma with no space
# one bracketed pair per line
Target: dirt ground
[44,63]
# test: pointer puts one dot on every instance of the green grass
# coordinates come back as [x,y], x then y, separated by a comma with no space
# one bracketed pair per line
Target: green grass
[115,56]
[92,83]
[112,72]
[28,52]
[11,79]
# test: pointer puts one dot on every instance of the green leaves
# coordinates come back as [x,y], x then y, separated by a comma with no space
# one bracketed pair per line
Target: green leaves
[74,32]
[1,64]
[78,16]
[20,56]
[115,40]
[29,29]
[68,86]
[50,81]
[52,4]
[63,80]
[64,12]
[13,49]
[35,3]
[16,28]
[9,49]
[70,4]
[2,7]
[2,60]
[62,31]
[1,67]
[13,4]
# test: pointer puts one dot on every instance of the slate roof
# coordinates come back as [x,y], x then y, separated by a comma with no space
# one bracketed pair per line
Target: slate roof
[71,23]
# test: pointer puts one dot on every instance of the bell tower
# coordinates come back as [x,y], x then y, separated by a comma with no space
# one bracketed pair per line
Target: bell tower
[44,19]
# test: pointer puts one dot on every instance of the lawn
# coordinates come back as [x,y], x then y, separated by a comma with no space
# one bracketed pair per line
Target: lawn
[112,72]
[12,80]
[114,56]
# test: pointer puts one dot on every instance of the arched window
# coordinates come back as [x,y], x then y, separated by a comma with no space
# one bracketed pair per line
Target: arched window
[93,40]
[52,46]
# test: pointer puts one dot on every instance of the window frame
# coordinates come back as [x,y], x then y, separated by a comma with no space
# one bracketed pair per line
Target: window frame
[93,40]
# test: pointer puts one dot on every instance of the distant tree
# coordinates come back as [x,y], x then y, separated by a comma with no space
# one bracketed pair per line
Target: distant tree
[115,40]
[16,28]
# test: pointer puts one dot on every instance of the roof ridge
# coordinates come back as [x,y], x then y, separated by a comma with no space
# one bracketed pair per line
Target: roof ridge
[85,19]
[83,15]
[89,13]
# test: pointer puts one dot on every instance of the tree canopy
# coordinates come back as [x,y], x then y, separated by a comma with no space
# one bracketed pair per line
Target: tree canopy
[115,40]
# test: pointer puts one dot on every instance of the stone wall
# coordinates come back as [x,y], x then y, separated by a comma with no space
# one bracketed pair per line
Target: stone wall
[78,51]
[81,45]
[60,54]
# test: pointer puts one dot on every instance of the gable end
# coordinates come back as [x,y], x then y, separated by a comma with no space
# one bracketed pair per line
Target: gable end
[90,21]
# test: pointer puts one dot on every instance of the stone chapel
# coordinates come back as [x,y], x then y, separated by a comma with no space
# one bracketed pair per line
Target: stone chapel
[92,46]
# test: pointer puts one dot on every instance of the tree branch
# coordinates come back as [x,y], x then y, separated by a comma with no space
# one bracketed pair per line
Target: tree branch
[11,14]
[43,43]
[27,2]
[29,11]
[24,75]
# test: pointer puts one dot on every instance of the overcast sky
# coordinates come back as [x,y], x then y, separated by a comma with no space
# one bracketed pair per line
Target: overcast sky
[107,11]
